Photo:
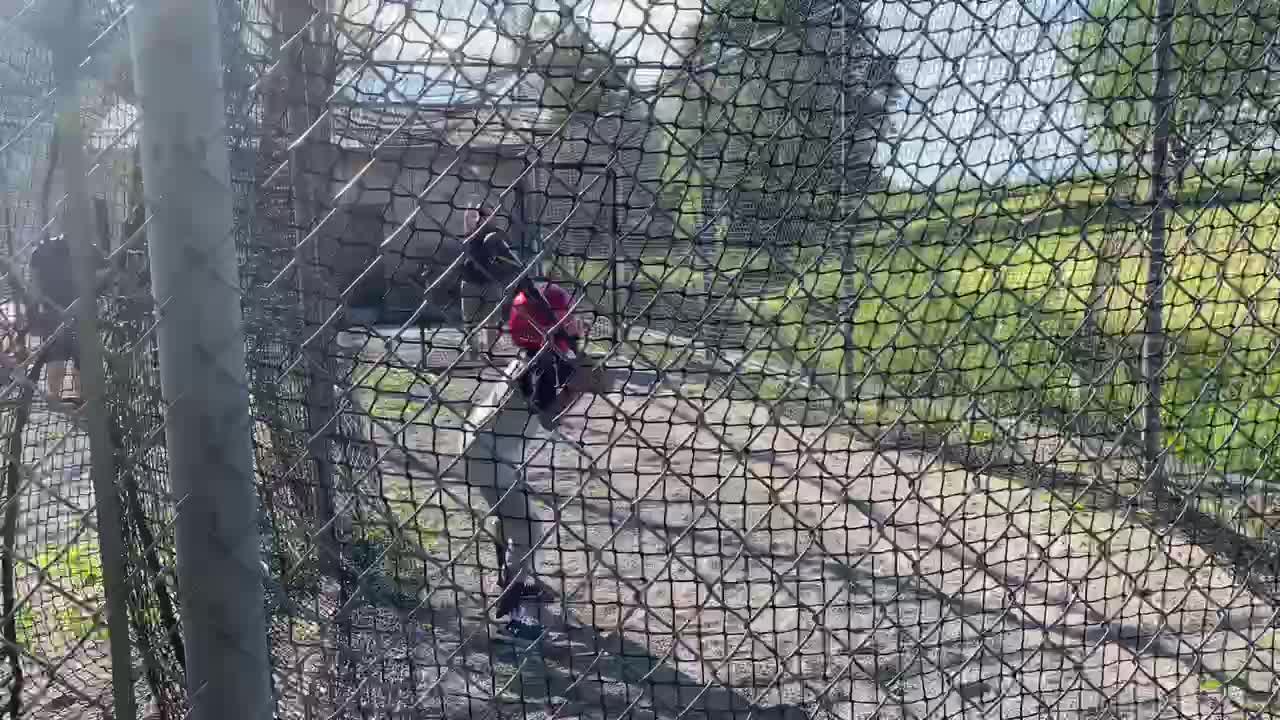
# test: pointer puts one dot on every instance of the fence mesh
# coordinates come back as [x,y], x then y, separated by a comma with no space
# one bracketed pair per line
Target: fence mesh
[938,344]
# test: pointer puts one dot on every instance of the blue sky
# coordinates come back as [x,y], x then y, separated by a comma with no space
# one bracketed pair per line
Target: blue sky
[988,95]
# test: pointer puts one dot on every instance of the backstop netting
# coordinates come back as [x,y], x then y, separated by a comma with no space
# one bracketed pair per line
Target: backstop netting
[936,345]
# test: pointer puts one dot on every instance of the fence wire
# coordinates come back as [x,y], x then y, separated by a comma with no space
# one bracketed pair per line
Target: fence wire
[934,346]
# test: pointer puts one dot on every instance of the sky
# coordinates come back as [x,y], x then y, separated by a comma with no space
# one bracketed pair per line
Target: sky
[628,29]
[988,92]
[987,95]
[988,98]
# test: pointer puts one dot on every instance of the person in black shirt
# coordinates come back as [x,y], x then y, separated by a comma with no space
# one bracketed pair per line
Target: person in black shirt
[481,296]
[51,270]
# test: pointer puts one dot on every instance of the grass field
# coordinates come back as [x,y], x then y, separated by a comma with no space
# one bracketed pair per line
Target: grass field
[977,301]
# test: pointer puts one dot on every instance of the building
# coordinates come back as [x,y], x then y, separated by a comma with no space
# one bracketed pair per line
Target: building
[417,143]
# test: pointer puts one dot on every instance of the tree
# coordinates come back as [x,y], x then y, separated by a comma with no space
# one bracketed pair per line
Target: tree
[583,98]
[574,76]
[788,104]
[577,75]
[1223,89]
[1224,82]
[798,81]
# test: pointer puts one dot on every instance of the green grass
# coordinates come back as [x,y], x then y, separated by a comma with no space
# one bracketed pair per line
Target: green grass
[395,572]
[661,273]
[24,621]
[383,378]
[975,295]
[1234,180]
[1233,515]
[989,321]
[400,395]
[676,270]
[76,571]
[389,386]
[396,408]
[1267,641]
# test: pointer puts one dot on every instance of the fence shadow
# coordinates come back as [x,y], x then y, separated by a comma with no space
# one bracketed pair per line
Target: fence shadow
[1167,645]
[577,672]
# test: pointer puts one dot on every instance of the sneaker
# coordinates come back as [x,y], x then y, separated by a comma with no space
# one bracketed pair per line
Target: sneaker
[524,626]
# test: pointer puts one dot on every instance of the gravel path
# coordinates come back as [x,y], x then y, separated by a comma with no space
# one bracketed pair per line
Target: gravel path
[722,565]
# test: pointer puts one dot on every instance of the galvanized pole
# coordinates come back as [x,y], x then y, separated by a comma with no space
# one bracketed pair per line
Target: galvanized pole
[615,301]
[707,197]
[1153,342]
[848,368]
[79,232]
[178,71]
[309,164]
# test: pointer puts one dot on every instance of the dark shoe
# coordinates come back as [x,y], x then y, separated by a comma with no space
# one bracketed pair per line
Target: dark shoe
[529,587]
[526,629]
[535,593]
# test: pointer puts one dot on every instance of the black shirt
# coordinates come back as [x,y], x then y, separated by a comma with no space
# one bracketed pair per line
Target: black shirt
[489,259]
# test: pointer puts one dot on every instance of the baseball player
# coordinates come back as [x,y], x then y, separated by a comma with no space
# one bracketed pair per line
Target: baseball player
[529,399]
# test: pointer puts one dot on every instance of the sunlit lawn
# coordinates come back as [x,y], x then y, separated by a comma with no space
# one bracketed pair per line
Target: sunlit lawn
[987,317]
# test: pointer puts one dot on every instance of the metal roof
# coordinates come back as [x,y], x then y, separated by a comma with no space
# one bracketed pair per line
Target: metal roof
[427,85]
[443,84]
[453,104]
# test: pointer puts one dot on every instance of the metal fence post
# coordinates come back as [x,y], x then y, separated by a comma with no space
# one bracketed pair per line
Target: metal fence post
[79,231]
[110,531]
[309,163]
[615,248]
[1153,342]
[178,72]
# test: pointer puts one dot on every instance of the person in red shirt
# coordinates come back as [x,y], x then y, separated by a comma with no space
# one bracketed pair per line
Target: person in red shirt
[530,398]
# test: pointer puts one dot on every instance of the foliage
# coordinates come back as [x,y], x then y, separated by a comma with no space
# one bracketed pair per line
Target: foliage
[392,391]
[1223,81]
[763,115]
[996,320]
[75,570]
[774,94]
[576,74]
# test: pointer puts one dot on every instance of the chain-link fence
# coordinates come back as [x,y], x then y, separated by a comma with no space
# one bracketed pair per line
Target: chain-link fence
[913,360]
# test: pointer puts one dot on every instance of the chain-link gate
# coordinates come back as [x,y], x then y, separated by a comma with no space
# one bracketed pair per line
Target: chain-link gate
[860,359]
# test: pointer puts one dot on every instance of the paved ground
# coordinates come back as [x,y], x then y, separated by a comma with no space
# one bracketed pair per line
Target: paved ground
[724,565]
[721,561]
[55,533]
